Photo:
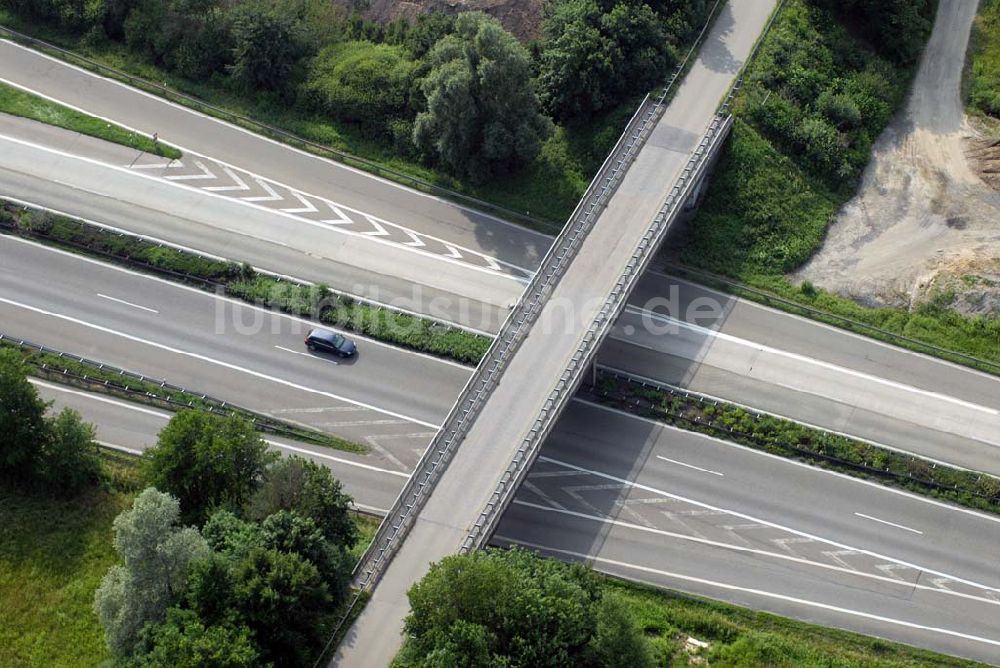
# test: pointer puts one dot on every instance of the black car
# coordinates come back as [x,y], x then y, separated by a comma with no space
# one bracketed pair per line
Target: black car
[330,342]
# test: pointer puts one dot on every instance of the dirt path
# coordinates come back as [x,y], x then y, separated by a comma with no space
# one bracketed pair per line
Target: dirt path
[922,219]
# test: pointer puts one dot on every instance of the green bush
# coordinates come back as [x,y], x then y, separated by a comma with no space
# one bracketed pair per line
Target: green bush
[984,60]
[360,82]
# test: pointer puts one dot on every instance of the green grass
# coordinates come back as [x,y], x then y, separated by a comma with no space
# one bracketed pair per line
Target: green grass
[982,82]
[740,636]
[772,199]
[53,554]
[17,102]
[796,441]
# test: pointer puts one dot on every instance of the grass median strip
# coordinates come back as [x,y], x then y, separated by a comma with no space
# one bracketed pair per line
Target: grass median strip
[316,302]
[89,375]
[17,102]
[794,440]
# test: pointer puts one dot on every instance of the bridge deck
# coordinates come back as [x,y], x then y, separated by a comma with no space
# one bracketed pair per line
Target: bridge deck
[488,448]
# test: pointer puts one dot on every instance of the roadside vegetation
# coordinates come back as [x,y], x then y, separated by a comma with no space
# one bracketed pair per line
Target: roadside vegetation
[796,441]
[983,74]
[17,102]
[826,81]
[526,133]
[514,608]
[235,558]
[243,282]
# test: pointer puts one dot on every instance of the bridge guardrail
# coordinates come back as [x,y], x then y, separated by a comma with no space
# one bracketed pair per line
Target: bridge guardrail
[595,335]
[489,371]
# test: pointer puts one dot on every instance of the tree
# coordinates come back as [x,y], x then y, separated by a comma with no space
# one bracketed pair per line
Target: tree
[282,598]
[598,54]
[22,420]
[512,608]
[482,114]
[182,640]
[266,46]
[157,555]
[70,460]
[305,487]
[207,461]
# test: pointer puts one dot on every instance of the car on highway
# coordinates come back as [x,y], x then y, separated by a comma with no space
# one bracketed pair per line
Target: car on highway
[325,341]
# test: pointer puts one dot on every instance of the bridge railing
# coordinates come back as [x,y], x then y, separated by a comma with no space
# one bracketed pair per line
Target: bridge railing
[488,373]
[596,333]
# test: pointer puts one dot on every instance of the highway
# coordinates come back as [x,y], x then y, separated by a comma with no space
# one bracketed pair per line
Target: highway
[196,133]
[677,509]
[390,400]
[289,232]
[806,371]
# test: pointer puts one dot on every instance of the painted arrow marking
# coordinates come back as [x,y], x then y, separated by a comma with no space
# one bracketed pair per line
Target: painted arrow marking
[271,195]
[341,219]
[890,570]
[306,208]
[240,184]
[416,243]
[205,174]
[379,231]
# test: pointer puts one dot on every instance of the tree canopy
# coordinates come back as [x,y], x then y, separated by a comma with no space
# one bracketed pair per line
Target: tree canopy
[512,608]
[207,461]
[482,113]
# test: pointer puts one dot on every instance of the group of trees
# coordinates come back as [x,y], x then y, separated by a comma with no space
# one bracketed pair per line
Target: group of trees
[513,608]
[56,454]
[232,558]
[458,91]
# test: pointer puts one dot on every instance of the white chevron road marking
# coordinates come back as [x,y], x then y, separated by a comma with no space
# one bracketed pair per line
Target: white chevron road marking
[271,196]
[240,183]
[307,206]
[206,173]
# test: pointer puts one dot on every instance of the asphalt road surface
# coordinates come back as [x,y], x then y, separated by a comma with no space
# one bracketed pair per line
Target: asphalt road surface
[196,133]
[651,503]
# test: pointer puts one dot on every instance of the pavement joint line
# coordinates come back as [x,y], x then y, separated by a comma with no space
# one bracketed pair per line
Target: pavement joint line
[848,570]
[743,301]
[758,592]
[810,425]
[175,181]
[284,145]
[892,524]
[793,462]
[210,360]
[775,525]
[808,360]
[230,300]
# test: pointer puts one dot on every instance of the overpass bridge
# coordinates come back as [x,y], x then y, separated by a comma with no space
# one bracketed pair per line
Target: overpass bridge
[489,440]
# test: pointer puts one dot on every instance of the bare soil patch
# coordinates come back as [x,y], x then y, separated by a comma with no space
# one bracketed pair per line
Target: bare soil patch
[521,17]
[926,220]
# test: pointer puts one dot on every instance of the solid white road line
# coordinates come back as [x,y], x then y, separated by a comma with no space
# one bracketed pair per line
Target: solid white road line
[339,460]
[758,592]
[690,466]
[751,518]
[122,301]
[316,357]
[101,399]
[227,365]
[714,334]
[782,556]
[892,524]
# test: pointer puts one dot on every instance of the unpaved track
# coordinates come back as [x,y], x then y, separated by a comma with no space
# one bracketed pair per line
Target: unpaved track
[922,217]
